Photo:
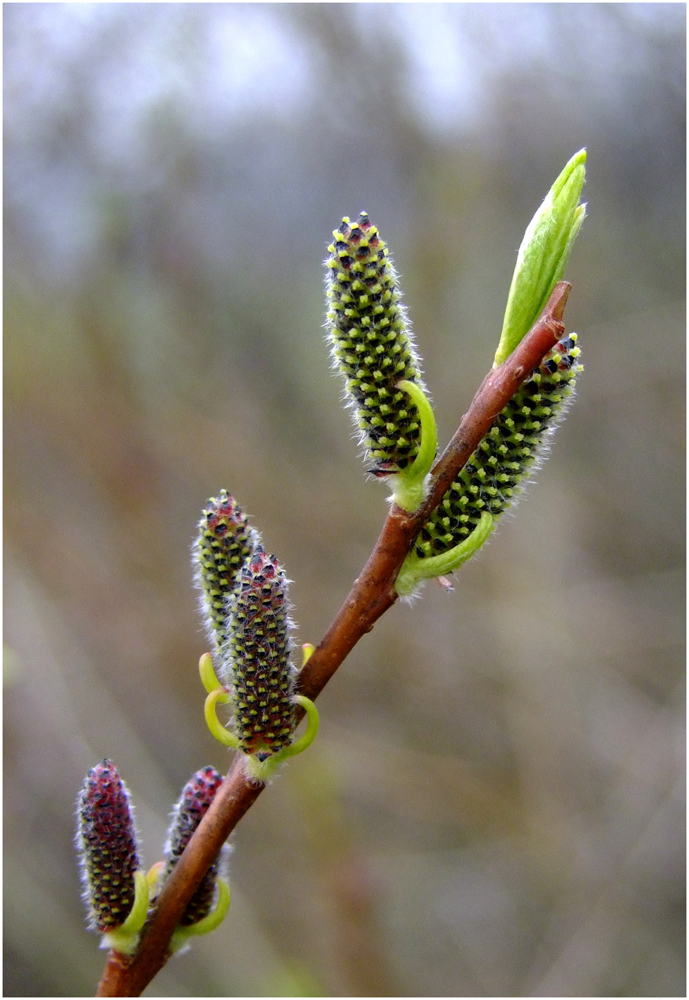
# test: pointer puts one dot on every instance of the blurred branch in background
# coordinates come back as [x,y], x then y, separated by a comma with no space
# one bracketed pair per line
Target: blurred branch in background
[172,174]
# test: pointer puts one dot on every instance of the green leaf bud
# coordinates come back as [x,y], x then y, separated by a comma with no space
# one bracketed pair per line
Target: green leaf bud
[372,344]
[193,804]
[262,676]
[223,544]
[106,842]
[493,477]
[543,255]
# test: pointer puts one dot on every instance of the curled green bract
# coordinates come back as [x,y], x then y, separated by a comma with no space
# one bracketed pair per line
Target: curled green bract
[221,733]
[263,770]
[181,936]
[209,678]
[125,938]
[408,488]
[259,769]
[416,569]
[543,255]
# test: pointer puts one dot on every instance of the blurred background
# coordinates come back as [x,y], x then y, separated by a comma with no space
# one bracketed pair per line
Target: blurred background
[495,803]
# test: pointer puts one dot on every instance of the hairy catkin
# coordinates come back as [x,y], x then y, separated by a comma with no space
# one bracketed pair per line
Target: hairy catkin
[223,544]
[496,472]
[372,344]
[262,676]
[106,842]
[192,806]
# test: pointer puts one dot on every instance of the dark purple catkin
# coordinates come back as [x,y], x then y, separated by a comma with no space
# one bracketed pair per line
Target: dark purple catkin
[106,840]
[193,804]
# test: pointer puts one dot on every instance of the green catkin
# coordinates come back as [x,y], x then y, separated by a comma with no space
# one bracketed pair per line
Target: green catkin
[372,344]
[106,842]
[262,677]
[223,544]
[193,804]
[495,474]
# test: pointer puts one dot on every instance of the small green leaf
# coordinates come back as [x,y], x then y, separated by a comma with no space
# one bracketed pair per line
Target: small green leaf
[543,255]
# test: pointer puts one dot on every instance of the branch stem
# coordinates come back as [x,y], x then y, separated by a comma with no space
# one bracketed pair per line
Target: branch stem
[371,595]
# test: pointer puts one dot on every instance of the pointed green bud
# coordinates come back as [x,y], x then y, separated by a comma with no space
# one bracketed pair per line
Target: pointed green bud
[493,477]
[223,544]
[372,345]
[543,255]
[262,676]
[106,841]
[193,804]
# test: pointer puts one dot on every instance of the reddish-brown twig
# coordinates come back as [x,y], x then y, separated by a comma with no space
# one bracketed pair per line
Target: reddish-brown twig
[371,595]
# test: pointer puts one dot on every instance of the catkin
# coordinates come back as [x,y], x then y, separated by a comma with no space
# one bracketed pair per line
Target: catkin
[223,544]
[262,676]
[192,806]
[496,472]
[106,842]
[372,344]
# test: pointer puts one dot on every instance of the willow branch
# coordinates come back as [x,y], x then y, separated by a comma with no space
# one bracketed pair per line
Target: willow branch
[372,593]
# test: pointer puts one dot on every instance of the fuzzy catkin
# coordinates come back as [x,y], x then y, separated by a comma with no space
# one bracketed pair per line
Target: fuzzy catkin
[106,841]
[262,680]
[192,806]
[372,344]
[495,474]
[224,542]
